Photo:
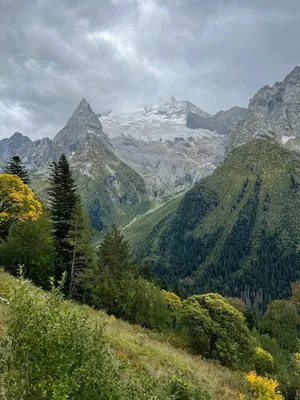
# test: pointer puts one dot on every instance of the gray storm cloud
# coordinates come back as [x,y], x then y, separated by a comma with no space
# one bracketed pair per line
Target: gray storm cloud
[121,54]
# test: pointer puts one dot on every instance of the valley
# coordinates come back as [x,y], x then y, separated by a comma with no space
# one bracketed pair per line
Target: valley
[149,200]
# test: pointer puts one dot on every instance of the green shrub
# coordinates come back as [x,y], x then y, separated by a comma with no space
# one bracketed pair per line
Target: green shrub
[280,322]
[263,362]
[148,306]
[50,351]
[285,367]
[216,329]
[182,390]
[29,243]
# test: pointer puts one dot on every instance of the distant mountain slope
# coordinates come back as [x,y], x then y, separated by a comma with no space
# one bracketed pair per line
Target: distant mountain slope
[236,232]
[11,146]
[125,162]
[156,142]
[223,122]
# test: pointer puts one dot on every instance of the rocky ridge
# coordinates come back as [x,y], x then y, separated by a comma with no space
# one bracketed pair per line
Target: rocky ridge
[223,122]
[273,111]
[154,141]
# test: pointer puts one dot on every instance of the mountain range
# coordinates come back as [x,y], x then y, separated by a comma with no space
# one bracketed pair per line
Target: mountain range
[120,169]
[127,163]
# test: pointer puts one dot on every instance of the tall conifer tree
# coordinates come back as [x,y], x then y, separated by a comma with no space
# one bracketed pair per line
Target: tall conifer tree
[79,238]
[16,167]
[63,197]
[112,279]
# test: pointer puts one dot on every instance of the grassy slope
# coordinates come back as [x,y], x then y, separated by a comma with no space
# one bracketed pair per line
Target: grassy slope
[143,232]
[156,357]
[214,209]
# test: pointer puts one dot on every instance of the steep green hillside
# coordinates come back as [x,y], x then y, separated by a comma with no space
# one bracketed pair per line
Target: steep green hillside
[236,232]
[145,358]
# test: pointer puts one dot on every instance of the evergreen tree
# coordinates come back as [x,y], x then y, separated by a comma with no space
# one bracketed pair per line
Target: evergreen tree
[115,285]
[115,255]
[16,167]
[79,238]
[63,198]
[112,282]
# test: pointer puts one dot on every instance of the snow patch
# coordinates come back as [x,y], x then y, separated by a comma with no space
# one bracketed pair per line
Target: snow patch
[285,139]
[85,172]
[109,169]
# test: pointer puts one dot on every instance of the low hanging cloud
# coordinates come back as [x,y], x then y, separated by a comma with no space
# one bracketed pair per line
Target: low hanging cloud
[121,54]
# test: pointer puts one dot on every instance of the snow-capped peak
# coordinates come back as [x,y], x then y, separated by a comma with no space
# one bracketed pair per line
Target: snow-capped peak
[174,109]
[154,122]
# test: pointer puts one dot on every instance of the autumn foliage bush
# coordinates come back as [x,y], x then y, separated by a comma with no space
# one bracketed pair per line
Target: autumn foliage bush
[17,202]
[263,388]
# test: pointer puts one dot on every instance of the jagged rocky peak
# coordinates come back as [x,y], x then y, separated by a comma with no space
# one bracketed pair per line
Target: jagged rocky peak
[12,146]
[83,112]
[294,74]
[82,124]
[17,135]
[83,107]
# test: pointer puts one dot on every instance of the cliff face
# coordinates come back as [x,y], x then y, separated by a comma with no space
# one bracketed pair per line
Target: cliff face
[273,111]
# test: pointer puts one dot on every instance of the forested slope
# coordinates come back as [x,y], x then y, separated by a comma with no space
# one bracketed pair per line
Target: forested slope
[236,232]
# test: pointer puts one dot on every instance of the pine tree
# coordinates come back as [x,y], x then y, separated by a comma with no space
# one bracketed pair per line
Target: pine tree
[79,238]
[114,254]
[16,167]
[112,279]
[63,198]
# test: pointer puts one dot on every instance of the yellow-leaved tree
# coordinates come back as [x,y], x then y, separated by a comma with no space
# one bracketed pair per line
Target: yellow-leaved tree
[263,388]
[17,202]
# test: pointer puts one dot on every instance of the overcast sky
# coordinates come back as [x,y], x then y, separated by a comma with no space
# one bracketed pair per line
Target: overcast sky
[121,54]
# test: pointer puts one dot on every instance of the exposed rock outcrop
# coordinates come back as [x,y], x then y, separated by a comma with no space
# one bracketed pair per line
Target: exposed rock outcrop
[273,111]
